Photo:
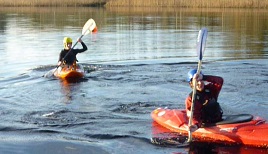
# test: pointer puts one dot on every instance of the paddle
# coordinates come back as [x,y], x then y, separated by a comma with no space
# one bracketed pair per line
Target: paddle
[201,43]
[88,27]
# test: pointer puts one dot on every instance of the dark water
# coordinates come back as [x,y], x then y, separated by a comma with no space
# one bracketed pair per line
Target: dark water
[137,62]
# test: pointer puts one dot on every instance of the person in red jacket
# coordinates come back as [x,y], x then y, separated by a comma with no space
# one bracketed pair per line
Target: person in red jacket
[206,108]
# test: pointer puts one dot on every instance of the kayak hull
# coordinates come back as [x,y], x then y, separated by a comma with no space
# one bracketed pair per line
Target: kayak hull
[70,74]
[251,133]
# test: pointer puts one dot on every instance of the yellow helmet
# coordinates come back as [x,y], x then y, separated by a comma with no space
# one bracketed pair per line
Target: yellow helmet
[67,40]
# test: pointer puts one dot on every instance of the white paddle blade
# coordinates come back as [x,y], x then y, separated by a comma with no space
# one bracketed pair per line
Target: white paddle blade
[50,73]
[201,42]
[88,27]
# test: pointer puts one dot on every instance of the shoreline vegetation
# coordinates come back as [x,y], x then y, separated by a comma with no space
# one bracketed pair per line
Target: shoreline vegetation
[52,3]
[190,3]
[137,3]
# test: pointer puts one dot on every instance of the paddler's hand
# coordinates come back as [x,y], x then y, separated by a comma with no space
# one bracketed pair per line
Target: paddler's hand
[198,77]
[193,128]
[59,63]
[79,40]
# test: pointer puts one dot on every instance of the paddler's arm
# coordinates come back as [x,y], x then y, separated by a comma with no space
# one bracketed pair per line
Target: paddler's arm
[215,83]
[83,45]
[61,56]
[197,111]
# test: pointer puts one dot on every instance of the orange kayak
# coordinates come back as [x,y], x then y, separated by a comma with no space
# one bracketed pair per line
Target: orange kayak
[241,129]
[70,74]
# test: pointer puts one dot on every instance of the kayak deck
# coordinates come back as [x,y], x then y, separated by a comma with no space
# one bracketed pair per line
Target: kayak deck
[254,132]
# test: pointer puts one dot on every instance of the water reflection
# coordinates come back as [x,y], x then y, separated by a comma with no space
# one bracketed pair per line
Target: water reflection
[131,36]
[136,33]
[70,88]
[204,148]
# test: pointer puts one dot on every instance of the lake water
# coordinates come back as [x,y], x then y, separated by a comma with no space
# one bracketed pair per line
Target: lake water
[138,61]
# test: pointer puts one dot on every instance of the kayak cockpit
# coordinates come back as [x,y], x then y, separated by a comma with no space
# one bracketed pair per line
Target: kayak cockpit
[231,119]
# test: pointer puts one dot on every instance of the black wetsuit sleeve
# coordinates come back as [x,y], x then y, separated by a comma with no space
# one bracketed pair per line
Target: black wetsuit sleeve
[61,55]
[83,49]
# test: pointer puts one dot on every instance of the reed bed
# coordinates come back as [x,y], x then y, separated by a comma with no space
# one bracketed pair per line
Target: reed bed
[60,3]
[190,3]
[141,3]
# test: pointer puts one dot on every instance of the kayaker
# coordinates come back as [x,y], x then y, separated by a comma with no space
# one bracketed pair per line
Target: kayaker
[206,109]
[67,56]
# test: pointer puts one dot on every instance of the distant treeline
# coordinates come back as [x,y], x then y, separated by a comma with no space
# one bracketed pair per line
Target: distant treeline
[141,3]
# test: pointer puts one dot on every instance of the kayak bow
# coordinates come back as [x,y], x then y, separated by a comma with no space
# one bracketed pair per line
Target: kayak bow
[70,74]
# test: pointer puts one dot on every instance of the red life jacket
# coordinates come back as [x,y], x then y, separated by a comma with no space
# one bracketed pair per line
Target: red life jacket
[211,111]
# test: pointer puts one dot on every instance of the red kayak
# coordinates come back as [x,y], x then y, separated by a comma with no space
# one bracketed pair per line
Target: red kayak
[70,74]
[243,129]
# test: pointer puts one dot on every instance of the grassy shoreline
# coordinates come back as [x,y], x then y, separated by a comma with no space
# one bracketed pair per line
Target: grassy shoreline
[50,3]
[190,3]
[138,3]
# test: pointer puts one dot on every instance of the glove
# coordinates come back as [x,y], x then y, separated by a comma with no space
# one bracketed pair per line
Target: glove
[193,128]
[198,77]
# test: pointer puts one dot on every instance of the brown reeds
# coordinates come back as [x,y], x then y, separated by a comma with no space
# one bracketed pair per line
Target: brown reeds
[141,3]
[190,3]
[56,3]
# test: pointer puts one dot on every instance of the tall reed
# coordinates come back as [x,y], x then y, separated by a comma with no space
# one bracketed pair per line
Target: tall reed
[142,3]
[191,3]
[16,3]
